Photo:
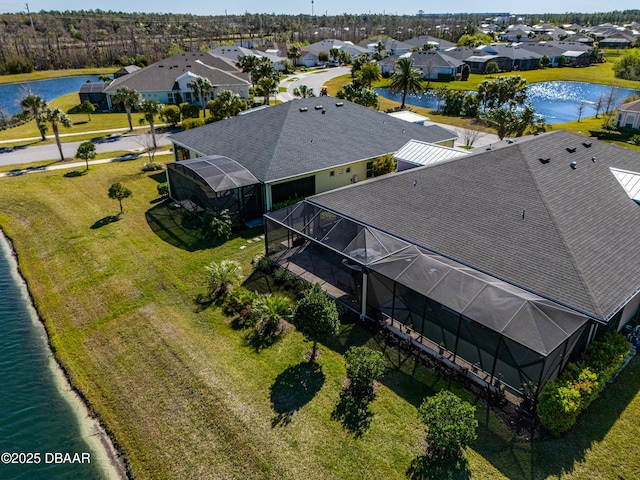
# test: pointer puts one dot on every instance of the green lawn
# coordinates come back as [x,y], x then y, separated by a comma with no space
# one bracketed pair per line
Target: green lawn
[46,74]
[186,395]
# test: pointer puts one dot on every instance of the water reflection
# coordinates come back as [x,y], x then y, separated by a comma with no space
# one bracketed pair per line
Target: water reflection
[557,102]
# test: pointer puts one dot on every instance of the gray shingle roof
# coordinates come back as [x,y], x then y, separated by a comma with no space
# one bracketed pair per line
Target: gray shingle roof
[161,76]
[282,141]
[577,242]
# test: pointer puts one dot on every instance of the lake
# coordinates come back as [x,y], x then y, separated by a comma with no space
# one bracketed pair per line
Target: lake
[35,417]
[11,93]
[557,102]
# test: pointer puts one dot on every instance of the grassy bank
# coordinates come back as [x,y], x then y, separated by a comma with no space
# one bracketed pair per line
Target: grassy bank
[47,74]
[185,395]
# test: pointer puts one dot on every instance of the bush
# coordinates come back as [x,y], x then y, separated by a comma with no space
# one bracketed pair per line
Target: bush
[16,65]
[563,400]
[163,189]
[189,123]
[239,301]
[171,115]
[606,134]
[189,110]
[222,277]
[216,225]
[364,367]
[451,425]
[263,264]
[283,276]
[635,140]
[271,313]
[152,167]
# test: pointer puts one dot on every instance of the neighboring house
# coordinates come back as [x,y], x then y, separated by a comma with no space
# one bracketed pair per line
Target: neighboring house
[94,93]
[297,148]
[435,64]
[629,115]
[391,46]
[419,154]
[409,116]
[126,71]
[308,58]
[169,81]
[516,34]
[328,44]
[580,38]
[232,53]
[617,41]
[433,42]
[574,54]
[504,264]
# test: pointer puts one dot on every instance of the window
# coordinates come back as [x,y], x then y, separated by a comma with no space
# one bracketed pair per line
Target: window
[348,169]
[171,98]
[332,173]
[369,169]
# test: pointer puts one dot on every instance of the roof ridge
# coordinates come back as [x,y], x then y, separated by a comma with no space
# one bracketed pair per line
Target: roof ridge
[561,236]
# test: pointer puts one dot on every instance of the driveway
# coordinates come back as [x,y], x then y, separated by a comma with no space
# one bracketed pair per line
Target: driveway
[314,80]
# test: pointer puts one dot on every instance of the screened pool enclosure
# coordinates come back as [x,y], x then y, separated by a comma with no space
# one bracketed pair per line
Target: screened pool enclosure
[218,183]
[506,336]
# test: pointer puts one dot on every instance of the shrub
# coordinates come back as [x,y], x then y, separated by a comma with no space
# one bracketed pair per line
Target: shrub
[283,276]
[189,110]
[189,123]
[171,115]
[451,425]
[222,277]
[263,264]
[563,400]
[383,165]
[152,167]
[163,189]
[239,302]
[316,316]
[364,367]
[271,313]
[635,140]
[216,225]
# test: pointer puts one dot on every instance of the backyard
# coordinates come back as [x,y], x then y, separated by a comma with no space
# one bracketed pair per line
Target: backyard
[185,394]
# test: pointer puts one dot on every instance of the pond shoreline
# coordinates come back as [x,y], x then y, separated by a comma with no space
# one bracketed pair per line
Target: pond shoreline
[109,456]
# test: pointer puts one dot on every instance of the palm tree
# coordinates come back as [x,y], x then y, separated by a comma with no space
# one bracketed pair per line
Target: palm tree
[303,92]
[294,54]
[369,73]
[36,106]
[129,98]
[201,86]
[151,108]
[405,79]
[271,312]
[56,117]
[268,85]
[248,63]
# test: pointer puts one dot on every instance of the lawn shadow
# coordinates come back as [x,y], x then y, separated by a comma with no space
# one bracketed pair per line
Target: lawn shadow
[176,228]
[422,469]
[76,173]
[352,410]
[105,221]
[293,389]
[159,177]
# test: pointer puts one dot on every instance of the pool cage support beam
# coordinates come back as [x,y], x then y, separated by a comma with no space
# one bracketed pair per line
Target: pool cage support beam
[363,303]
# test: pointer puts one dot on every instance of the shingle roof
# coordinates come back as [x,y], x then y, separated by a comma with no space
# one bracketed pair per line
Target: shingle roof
[282,141]
[161,76]
[577,243]
[630,106]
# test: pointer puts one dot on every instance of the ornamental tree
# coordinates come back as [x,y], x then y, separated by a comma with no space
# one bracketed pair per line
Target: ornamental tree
[86,151]
[451,425]
[119,192]
[364,367]
[316,316]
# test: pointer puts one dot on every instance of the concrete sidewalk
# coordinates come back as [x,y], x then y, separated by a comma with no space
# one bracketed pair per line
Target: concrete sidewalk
[77,134]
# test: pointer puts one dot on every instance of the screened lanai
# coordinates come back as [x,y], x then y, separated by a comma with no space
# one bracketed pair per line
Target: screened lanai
[215,182]
[505,334]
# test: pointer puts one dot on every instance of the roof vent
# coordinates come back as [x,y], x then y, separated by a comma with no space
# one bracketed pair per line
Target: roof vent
[160,66]
[594,159]
[571,149]
[587,144]
[319,107]
[574,165]
[544,160]
[324,111]
[303,109]
[188,66]
[339,104]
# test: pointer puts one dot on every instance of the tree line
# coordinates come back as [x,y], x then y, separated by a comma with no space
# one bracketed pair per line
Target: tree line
[96,38]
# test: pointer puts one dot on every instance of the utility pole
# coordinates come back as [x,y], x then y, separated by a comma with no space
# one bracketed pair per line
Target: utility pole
[312,8]
[32,27]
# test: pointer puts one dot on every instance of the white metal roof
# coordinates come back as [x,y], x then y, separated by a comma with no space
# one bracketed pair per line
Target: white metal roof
[630,181]
[409,116]
[422,153]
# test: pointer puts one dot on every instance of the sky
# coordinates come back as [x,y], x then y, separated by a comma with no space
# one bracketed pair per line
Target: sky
[321,7]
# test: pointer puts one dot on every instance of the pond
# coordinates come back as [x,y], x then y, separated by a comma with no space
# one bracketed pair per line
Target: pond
[557,102]
[11,93]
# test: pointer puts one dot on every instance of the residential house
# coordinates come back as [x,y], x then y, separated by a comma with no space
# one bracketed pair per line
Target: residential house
[504,264]
[169,81]
[126,71]
[294,149]
[429,41]
[436,64]
[93,92]
[562,53]
[629,115]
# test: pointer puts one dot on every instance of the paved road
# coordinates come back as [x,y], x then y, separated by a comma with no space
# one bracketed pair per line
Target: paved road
[112,143]
[135,143]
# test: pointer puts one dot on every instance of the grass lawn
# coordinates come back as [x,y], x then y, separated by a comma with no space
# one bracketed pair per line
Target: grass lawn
[186,395]
[46,74]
